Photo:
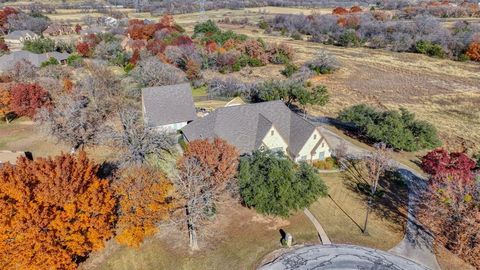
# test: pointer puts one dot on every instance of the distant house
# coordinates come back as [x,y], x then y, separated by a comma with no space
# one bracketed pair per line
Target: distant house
[267,125]
[168,108]
[93,30]
[58,30]
[15,39]
[8,61]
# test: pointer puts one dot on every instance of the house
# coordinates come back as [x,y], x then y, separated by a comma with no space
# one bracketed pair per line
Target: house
[93,30]
[168,108]
[15,39]
[8,61]
[267,125]
[58,29]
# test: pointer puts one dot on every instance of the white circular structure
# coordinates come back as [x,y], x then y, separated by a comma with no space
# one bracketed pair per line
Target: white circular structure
[340,257]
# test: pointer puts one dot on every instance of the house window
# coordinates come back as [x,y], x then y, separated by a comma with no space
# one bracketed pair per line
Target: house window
[321,155]
[323,144]
[272,132]
[315,136]
[303,158]
[277,149]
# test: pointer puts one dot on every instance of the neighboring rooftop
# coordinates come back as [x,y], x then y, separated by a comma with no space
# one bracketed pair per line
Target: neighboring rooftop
[20,34]
[164,105]
[246,125]
[8,61]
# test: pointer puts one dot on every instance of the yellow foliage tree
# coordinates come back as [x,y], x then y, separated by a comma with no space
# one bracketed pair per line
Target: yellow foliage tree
[53,211]
[146,198]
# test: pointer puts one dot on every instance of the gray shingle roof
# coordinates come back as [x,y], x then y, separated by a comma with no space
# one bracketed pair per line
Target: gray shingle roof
[246,125]
[20,34]
[8,61]
[168,104]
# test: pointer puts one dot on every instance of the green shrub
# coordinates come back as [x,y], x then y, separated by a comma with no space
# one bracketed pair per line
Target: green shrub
[273,185]
[128,67]
[428,48]
[221,37]
[328,164]
[463,57]
[289,70]
[399,130]
[263,25]
[208,27]
[50,61]
[349,38]
[74,60]
[297,36]
[39,45]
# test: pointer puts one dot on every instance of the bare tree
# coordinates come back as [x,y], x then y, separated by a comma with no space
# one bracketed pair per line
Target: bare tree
[377,163]
[74,121]
[136,141]
[153,72]
[23,71]
[192,183]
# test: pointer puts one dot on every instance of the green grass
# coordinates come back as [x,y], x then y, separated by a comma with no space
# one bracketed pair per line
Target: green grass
[200,91]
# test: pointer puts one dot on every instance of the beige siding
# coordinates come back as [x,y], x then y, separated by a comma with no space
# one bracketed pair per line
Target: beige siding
[273,140]
[306,152]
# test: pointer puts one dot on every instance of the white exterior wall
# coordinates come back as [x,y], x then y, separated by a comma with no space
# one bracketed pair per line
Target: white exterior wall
[274,141]
[172,128]
[306,152]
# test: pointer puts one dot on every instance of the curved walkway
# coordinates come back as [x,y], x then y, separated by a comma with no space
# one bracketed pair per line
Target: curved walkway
[340,257]
[321,232]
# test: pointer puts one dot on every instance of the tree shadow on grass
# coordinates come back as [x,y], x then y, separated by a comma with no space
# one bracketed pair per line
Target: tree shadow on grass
[390,200]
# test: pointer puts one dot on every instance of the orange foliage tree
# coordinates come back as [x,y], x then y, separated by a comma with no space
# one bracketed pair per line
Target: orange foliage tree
[5,99]
[474,51]
[218,156]
[145,197]
[339,11]
[53,212]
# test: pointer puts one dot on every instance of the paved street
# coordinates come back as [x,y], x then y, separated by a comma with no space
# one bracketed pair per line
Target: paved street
[340,257]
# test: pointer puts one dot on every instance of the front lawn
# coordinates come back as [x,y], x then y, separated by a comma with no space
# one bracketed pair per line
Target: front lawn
[239,239]
[342,214]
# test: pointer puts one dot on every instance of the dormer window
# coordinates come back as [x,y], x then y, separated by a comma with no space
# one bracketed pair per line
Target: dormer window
[315,136]
[272,132]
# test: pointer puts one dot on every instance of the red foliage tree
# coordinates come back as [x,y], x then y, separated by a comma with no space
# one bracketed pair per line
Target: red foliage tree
[182,40]
[355,9]
[339,11]
[218,157]
[83,48]
[474,51]
[450,210]
[135,57]
[4,13]
[440,163]
[3,46]
[156,46]
[211,46]
[26,99]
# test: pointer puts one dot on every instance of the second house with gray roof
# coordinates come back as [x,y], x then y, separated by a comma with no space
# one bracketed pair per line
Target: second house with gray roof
[267,125]
[168,108]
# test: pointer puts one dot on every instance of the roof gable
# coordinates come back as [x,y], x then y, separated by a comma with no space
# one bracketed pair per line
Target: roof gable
[164,105]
